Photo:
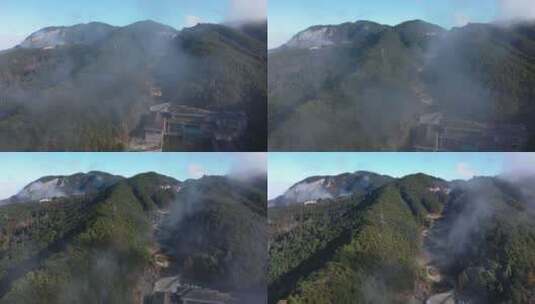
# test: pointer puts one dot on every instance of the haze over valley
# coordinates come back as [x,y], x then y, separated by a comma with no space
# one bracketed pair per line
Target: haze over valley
[100,237]
[144,86]
[363,237]
[414,86]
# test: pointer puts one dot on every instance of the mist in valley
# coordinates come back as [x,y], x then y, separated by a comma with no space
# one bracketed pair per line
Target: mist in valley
[413,239]
[92,92]
[124,241]
[375,87]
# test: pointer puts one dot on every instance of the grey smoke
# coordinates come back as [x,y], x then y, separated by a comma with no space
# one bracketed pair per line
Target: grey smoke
[247,10]
[189,204]
[113,90]
[519,169]
[374,290]
[106,269]
[468,223]
[246,166]
[484,202]
[516,10]
[518,165]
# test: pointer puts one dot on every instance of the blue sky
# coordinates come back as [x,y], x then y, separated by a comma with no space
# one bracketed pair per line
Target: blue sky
[22,17]
[285,169]
[287,18]
[19,169]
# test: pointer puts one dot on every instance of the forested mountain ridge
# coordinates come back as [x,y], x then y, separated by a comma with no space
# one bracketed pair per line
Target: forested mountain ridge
[107,246]
[415,239]
[58,75]
[368,86]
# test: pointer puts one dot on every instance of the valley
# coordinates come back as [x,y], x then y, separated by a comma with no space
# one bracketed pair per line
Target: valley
[91,87]
[415,239]
[440,287]
[145,239]
[414,86]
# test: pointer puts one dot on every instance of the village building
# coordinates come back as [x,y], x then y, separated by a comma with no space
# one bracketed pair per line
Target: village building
[204,296]
[171,290]
[192,127]
[435,132]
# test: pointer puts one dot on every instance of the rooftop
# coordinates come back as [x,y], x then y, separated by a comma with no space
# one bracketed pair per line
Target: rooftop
[208,295]
[169,284]
[172,108]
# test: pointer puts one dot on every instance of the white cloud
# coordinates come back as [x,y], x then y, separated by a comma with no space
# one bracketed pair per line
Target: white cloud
[240,10]
[196,171]
[516,9]
[246,165]
[461,19]
[192,20]
[519,165]
[465,170]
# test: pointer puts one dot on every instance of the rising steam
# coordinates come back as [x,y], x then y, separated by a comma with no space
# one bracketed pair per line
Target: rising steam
[516,10]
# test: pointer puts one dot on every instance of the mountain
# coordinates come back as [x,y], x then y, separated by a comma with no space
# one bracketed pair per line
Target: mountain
[117,73]
[325,187]
[320,36]
[122,243]
[329,87]
[50,187]
[415,239]
[51,37]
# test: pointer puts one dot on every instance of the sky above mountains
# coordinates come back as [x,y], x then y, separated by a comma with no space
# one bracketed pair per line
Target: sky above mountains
[286,169]
[287,18]
[19,169]
[20,18]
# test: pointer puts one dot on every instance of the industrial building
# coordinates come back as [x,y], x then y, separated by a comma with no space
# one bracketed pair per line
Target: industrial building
[435,132]
[192,128]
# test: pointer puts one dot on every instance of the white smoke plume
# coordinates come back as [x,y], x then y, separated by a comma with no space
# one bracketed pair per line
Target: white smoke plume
[516,10]
[519,165]
[247,165]
[191,20]
[247,10]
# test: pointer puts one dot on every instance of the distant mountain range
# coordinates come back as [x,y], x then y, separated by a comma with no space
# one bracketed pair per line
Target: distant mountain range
[90,86]
[96,237]
[413,239]
[368,86]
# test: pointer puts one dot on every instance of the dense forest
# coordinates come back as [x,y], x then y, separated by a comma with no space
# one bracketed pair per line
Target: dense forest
[94,95]
[329,86]
[101,247]
[413,240]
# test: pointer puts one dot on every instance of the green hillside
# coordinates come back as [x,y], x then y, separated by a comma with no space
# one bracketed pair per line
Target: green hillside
[366,91]
[95,97]
[375,249]
[99,248]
